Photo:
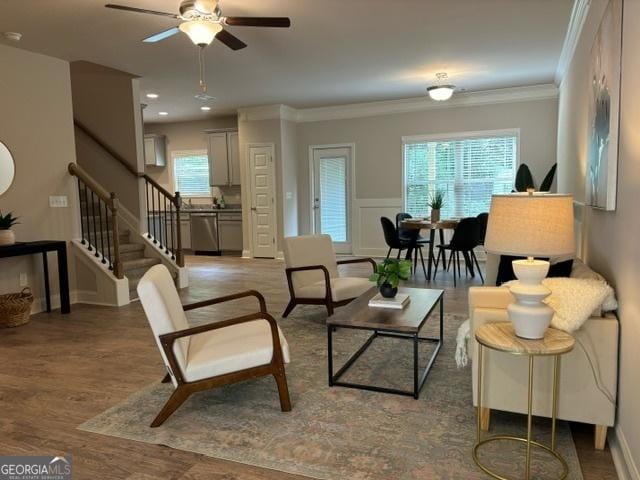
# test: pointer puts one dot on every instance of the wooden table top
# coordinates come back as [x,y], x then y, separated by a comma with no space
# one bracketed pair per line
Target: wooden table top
[424,224]
[410,319]
[502,337]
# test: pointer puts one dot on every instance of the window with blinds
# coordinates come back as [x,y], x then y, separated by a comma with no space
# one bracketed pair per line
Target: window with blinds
[468,170]
[333,197]
[191,174]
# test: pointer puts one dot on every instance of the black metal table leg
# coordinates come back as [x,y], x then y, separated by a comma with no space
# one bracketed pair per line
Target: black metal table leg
[330,353]
[432,237]
[63,280]
[442,320]
[416,387]
[47,289]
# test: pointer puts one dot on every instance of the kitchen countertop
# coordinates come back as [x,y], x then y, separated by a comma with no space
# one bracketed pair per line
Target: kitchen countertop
[212,210]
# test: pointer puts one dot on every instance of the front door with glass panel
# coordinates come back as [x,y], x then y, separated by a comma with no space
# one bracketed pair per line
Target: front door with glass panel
[331,206]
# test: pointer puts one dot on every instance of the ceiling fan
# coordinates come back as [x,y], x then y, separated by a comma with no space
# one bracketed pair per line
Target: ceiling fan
[203,21]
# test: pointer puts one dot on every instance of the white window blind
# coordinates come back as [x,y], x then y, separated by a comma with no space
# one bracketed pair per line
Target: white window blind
[191,174]
[468,170]
[333,195]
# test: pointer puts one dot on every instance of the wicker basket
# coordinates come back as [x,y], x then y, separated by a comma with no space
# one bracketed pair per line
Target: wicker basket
[15,308]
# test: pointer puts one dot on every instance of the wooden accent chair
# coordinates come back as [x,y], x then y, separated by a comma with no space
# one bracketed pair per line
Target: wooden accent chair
[312,274]
[214,354]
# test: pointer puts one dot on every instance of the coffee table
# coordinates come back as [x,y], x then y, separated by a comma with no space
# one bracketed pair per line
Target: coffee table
[386,322]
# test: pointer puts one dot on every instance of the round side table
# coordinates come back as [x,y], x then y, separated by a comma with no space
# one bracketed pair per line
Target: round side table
[501,337]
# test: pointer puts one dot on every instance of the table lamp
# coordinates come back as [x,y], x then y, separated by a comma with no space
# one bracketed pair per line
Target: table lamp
[532,225]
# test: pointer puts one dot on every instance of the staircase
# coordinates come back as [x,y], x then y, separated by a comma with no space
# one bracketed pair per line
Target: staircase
[98,230]
[114,246]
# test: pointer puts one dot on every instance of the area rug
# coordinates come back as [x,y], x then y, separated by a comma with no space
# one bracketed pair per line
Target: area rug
[339,433]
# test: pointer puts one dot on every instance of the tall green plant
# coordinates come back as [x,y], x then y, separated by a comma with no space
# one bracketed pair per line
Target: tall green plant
[524,179]
[436,200]
[391,271]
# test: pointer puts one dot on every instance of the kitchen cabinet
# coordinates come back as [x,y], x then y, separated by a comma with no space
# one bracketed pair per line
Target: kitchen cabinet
[155,150]
[224,159]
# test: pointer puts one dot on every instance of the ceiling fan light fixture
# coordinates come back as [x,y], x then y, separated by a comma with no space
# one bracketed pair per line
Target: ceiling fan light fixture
[440,93]
[201,32]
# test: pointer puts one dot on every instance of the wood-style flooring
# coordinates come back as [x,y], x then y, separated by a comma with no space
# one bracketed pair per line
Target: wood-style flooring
[60,370]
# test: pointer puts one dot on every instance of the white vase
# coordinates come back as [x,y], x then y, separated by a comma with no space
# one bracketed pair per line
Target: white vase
[530,315]
[7,237]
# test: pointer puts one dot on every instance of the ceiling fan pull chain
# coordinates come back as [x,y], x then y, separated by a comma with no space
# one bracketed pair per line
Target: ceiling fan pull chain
[203,82]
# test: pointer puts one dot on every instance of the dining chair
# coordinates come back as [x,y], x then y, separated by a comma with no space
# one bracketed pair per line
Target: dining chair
[465,238]
[212,354]
[313,277]
[395,242]
[406,233]
[483,220]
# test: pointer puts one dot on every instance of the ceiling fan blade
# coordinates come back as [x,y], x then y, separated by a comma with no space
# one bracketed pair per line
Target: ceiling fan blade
[230,40]
[281,22]
[156,37]
[140,10]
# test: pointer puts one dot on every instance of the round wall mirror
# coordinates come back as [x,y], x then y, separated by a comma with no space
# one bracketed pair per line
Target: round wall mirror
[7,168]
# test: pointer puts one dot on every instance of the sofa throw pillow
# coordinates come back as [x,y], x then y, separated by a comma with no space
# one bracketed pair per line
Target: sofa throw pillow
[505,269]
[573,300]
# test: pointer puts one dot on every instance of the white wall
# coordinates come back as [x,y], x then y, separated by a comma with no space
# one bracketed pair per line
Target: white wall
[36,125]
[610,239]
[378,154]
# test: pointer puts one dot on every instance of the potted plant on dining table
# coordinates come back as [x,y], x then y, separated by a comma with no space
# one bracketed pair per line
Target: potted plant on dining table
[388,275]
[436,202]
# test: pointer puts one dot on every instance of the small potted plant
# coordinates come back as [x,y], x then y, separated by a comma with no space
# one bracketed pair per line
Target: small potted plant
[7,237]
[436,202]
[388,275]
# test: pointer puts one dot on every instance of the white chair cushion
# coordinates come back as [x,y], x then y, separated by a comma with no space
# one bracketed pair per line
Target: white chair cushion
[231,349]
[307,250]
[163,309]
[342,288]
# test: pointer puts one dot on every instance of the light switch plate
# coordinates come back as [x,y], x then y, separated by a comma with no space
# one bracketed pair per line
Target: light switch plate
[289,195]
[23,280]
[58,201]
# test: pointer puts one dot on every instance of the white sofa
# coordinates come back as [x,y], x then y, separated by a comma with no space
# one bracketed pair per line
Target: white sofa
[588,374]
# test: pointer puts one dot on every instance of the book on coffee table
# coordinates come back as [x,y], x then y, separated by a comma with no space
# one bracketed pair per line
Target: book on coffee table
[398,302]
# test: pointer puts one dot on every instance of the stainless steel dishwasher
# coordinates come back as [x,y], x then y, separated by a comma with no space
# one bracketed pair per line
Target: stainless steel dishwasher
[205,238]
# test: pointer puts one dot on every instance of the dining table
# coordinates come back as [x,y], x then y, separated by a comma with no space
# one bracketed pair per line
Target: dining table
[418,224]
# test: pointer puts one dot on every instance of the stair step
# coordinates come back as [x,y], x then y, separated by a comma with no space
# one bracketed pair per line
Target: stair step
[135,279]
[140,263]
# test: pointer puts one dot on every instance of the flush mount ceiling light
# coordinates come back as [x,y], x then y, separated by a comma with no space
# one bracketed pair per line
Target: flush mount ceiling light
[441,92]
[201,32]
[12,36]
[163,114]
[205,109]
[152,95]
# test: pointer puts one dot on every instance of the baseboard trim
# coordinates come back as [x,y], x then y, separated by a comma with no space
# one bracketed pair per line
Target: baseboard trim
[622,457]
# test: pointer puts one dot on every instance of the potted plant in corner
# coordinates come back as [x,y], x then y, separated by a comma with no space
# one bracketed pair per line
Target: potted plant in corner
[388,275]
[436,202]
[7,237]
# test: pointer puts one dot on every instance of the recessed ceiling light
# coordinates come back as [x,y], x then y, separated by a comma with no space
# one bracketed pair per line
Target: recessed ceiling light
[205,109]
[164,114]
[152,95]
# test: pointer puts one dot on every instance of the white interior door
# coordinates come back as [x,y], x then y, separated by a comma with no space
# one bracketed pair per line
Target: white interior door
[263,218]
[331,196]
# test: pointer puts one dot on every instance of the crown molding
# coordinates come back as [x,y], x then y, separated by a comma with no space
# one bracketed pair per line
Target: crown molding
[390,107]
[578,17]
[267,112]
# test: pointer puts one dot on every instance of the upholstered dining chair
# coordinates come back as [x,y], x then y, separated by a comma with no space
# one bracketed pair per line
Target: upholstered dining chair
[213,354]
[465,238]
[313,277]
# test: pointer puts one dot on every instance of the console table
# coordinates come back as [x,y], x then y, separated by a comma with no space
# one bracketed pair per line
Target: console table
[43,246]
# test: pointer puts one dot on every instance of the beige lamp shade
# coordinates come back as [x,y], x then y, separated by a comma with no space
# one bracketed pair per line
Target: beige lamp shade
[537,225]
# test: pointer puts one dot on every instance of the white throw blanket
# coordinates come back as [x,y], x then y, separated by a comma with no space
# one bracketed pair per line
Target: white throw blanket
[572,299]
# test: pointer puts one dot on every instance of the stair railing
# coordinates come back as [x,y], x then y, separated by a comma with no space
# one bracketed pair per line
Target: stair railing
[98,220]
[162,207]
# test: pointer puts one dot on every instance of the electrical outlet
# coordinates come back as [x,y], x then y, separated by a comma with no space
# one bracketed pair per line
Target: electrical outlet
[58,201]
[23,280]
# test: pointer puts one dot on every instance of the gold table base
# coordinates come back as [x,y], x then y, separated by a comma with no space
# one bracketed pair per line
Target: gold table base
[527,441]
[488,471]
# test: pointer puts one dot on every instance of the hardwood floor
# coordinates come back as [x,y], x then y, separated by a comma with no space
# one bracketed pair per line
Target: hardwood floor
[60,370]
